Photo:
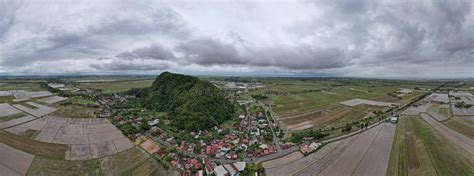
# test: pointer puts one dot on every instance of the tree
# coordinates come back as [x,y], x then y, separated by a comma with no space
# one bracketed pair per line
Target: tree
[347,128]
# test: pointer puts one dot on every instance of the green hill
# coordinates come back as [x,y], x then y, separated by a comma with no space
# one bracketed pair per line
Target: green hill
[193,104]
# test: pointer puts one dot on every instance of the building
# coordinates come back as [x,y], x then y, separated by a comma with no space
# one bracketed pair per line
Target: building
[305,149]
[405,91]
[231,169]
[209,166]
[221,171]
[199,173]
[154,122]
[240,166]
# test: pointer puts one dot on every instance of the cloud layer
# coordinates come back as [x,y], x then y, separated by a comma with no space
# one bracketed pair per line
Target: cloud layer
[383,38]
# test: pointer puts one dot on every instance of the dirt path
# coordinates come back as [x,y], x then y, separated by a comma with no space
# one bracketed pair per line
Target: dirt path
[457,138]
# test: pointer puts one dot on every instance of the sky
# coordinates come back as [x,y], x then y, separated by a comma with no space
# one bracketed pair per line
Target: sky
[352,38]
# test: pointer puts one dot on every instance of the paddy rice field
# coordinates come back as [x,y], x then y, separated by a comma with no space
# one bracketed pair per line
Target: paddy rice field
[319,102]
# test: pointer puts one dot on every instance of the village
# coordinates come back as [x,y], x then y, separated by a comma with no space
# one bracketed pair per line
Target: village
[218,150]
[221,150]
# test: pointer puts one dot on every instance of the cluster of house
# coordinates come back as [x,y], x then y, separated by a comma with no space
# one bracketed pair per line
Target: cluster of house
[134,120]
[263,149]
[226,148]
[238,85]
[187,164]
[259,127]
[221,148]
[232,144]
[190,165]
[309,148]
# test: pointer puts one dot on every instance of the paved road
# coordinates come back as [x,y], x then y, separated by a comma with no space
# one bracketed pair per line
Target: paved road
[276,140]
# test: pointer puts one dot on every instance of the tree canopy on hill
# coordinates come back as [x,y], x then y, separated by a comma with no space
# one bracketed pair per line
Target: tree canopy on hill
[193,104]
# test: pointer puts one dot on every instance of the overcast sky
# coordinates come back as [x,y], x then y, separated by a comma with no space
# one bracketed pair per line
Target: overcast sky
[367,38]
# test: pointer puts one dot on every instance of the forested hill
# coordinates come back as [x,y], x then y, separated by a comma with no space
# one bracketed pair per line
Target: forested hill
[193,104]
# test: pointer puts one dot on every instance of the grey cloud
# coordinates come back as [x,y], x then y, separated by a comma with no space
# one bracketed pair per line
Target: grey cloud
[155,51]
[213,52]
[301,57]
[333,35]
[164,21]
[208,51]
[7,16]
[395,32]
[91,40]
[118,65]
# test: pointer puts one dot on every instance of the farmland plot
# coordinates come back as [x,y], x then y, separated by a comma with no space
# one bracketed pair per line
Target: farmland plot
[438,117]
[462,111]
[88,138]
[457,138]
[14,161]
[22,95]
[359,158]
[51,100]
[16,121]
[6,110]
[301,103]
[421,150]
[322,157]
[353,155]
[41,110]
[358,101]
[461,125]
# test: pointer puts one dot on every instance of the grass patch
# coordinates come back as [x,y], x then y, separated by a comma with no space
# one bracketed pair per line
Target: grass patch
[440,110]
[38,148]
[75,111]
[31,134]
[460,126]
[29,106]
[6,99]
[48,166]
[398,157]
[28,86]
[299,103]
[131,162]
[11,117]
[117,86]
[81,101]
[145,168]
